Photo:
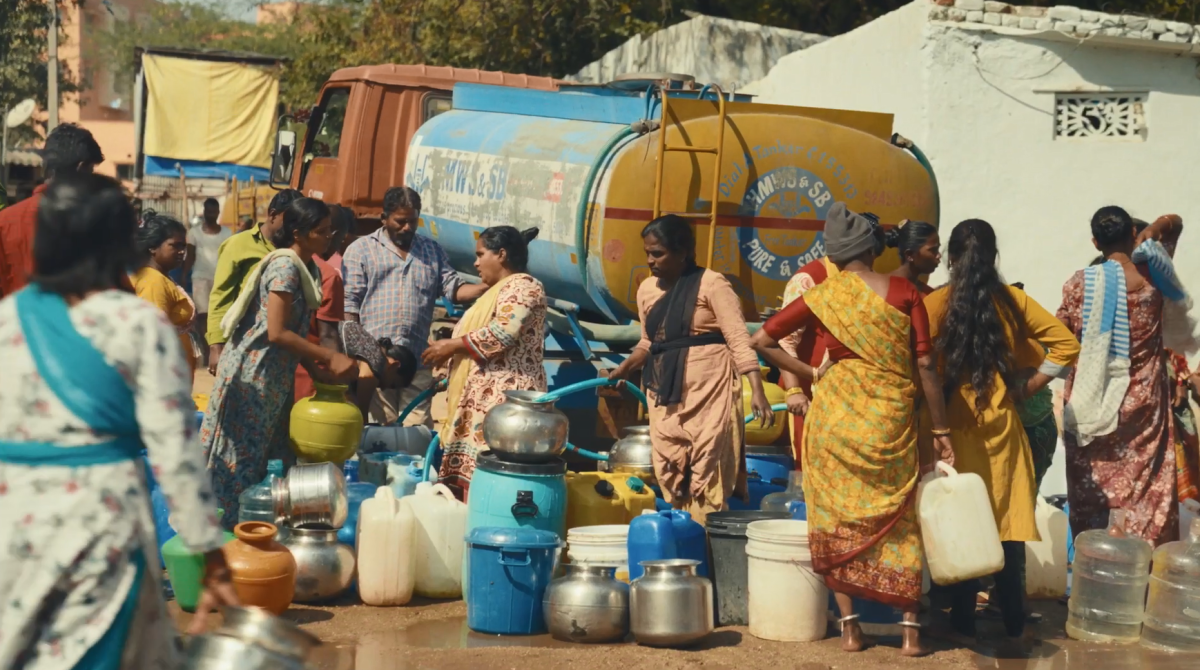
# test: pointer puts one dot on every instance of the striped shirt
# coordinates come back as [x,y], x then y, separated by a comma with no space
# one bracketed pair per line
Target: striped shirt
[394,296]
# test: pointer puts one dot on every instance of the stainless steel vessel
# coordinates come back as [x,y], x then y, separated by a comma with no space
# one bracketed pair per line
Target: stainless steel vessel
[523,430]
[324,566]
[669,606]
[631,454]
[274,634]
[311,493]
[219,652]
[587,605]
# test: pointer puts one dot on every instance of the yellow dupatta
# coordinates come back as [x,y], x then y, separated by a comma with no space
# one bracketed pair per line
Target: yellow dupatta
[860,449]
[478,316]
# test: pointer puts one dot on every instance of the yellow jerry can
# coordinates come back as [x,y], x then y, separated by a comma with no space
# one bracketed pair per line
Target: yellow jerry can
[603,498]
[755,433]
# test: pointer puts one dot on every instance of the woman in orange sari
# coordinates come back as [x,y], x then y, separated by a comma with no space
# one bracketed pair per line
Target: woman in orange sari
[860,439]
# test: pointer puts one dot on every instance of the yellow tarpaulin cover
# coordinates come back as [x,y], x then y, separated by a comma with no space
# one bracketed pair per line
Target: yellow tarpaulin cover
[213,111]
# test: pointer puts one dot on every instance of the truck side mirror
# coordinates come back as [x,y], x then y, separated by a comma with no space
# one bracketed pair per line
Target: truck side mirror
[283,159]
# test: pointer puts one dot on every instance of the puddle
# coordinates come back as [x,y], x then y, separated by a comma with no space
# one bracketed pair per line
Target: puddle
[1076,656]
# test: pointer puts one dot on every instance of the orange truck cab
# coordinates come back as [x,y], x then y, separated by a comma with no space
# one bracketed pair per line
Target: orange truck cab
[356,138]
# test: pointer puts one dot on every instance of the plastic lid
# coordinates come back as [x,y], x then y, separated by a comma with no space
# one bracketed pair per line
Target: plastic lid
[513,538]
[735,521]
[275,467]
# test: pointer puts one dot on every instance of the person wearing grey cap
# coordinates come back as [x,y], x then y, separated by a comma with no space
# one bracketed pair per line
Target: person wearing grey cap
[861,460]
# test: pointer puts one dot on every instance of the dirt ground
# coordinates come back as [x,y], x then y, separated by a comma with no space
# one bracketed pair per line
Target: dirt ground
[433,634]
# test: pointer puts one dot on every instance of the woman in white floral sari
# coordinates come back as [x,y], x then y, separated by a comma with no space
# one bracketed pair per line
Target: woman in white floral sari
[92,375]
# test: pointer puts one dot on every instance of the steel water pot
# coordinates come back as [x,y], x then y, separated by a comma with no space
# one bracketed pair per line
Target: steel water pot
[524,430]
[669,605]
[259,627]
[587,605]
[631,454]
[311,493]
[219,652]
[324,566]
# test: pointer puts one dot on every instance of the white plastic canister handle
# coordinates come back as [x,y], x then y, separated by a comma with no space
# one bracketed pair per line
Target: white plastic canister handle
[946,470]
[444,491]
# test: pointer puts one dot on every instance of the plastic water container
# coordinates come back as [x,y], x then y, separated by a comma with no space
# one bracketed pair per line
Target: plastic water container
[1046,561]
[656,536]
[403,475]
[350,468]
[256,503]
[1188,511]
[509,570]
[778,502]
[958,526]
[386,561]
[605,498]
[356,494]
[1108,588]
[757,489]
[373,468]
[727,543]
[504,493]
[787,599]
[1173,608]
[770,466]
[398,439]
[441,527]
[798,510]
[603,546]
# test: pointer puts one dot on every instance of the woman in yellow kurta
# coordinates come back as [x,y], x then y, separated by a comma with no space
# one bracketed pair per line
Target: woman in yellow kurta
[989,338]
[162,241]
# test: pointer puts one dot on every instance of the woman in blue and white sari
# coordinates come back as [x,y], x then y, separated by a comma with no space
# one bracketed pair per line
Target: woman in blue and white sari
[89,376]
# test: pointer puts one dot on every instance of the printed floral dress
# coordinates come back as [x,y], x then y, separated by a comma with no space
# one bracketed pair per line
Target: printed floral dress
[506,355]
[68,535]
[248,410]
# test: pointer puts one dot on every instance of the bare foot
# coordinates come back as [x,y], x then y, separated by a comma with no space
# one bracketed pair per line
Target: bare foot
[912,646]
[852,637]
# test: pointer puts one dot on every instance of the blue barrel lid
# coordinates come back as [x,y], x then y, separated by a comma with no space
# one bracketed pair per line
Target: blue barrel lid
[513,538]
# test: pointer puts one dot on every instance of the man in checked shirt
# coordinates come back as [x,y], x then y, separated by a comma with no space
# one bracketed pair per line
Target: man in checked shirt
[393,279]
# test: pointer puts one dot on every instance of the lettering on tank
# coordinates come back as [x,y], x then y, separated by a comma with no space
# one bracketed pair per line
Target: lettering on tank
[785,201]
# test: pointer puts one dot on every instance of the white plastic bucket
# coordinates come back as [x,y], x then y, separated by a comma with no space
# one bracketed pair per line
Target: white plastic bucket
[787,599]
[605,546]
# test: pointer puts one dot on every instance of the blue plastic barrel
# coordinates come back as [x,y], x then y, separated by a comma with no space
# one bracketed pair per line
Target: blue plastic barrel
[770,466]
[798,509]
[757,489]
[527,495]
[356,493]
[663,535]
[509,570]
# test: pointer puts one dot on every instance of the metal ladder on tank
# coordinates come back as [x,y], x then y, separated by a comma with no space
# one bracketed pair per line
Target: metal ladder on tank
[716,152]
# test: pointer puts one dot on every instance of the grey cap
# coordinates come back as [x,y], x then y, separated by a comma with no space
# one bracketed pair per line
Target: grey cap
[847,234]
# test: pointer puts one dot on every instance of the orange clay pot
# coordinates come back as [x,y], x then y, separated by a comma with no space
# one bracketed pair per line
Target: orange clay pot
[263,571]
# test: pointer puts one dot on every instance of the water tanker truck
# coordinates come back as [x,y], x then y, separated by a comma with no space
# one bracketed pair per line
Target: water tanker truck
[590,165]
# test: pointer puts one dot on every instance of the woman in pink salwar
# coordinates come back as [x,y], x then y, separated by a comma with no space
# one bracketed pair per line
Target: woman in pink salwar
[695,348]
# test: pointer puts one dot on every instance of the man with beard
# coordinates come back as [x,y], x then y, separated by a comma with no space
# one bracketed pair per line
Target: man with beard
[393,280]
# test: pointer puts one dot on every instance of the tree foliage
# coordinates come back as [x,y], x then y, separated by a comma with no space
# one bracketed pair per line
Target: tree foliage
[23,26]
[541,37]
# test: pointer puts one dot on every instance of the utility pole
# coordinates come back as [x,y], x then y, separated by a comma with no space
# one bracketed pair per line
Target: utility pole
[52,69]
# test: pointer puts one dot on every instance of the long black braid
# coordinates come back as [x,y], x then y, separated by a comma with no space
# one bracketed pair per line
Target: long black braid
[971,339]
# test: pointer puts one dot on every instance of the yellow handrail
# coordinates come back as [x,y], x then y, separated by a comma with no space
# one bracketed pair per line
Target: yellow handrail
[718,154]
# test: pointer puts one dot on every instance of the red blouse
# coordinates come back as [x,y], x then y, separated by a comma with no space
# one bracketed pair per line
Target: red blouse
[902,295]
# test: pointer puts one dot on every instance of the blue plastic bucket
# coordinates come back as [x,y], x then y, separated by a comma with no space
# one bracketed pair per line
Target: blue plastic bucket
[508,572]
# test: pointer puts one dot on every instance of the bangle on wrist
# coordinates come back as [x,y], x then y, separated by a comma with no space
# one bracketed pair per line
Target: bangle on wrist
[795,390]
[941,432]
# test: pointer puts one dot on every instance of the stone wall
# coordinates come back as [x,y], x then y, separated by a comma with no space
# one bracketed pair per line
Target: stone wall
[714,50]
[1081,23]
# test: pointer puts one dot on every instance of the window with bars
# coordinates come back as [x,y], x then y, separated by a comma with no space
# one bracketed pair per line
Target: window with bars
[1100,116]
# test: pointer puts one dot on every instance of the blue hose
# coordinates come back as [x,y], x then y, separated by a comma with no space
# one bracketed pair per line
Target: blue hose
[430,452]
[782,407]
[554,396]
[587,454]
[421,397]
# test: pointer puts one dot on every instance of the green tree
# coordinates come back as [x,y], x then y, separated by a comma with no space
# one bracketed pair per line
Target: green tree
[23,26]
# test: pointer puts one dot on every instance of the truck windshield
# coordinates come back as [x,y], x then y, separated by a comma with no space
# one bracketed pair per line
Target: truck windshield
[328,138]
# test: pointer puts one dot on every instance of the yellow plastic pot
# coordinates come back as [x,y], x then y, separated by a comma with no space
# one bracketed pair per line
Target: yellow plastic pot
[326,426]
[755,433]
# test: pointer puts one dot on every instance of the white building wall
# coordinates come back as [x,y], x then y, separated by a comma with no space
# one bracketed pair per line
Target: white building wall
[876,68]
[981,105]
